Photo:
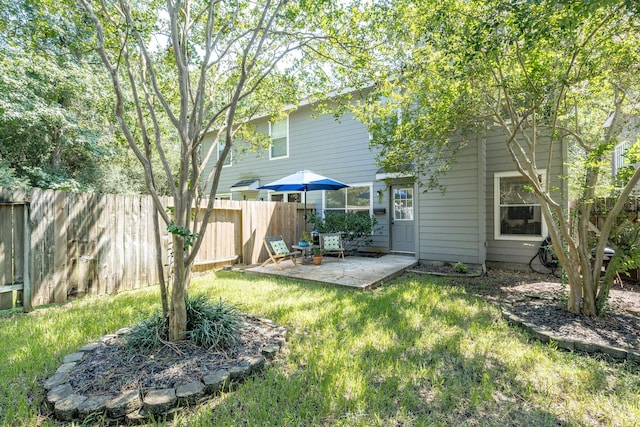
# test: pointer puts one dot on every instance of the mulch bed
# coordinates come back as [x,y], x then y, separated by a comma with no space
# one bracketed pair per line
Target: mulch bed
[540,299]
[113,369]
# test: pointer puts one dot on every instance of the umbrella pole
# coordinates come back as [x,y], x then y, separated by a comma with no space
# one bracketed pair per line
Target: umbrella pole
[305,209]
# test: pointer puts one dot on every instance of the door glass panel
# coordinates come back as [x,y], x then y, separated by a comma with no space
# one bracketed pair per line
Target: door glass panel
[403,204]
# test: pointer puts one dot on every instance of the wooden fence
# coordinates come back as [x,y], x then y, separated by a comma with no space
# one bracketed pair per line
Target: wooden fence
[56,245]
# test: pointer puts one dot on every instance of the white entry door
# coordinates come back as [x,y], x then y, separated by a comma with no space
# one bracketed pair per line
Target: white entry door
[402,221]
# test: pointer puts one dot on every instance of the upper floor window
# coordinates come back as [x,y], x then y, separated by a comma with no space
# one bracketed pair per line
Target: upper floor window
[228,159]
[518,215]
[279,132]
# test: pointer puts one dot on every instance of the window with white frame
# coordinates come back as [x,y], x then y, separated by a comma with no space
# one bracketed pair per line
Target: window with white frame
[518,215]
[279,132]
[356,199]
[286,197]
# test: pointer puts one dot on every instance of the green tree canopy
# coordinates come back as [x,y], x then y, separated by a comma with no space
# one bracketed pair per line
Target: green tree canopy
[534,68]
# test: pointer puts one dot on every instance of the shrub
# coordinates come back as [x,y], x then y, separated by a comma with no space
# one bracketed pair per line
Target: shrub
[215,326]
[356,229]
[460,267]
[212,325]
[148,334]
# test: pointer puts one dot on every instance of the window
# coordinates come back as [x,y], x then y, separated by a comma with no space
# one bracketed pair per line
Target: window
[279,132]
[227,161]
[286,197]
[355,199]
[403,204]
[518,215]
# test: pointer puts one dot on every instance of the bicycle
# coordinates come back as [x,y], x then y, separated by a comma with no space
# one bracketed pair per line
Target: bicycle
[545,260]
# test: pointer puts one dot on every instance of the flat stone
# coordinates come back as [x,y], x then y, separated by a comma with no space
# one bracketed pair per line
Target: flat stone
[270,350]
[615,352]
[107,337]
[537,333]
[123,331]
[633,355]
[238,372]
[93,405]
[159,401]
[67,409]
[587,347]
[57,379]
[74,357]
[190,393]
[59,392]
[89,347]
[66,368]
[256,364]
[564,343]
[216,381]
[121,405]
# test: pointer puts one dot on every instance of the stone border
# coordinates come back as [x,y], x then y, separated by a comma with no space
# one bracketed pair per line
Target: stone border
[134,406]
[436,273]
[545,336]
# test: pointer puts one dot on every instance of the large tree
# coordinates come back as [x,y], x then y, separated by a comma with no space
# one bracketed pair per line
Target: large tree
[51,118]
[205,68]
[565,71]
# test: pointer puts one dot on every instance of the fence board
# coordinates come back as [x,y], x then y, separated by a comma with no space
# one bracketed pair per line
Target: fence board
[7,262]
[98,244]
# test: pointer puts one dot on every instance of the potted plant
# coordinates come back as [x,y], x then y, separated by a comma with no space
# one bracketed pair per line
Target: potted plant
[317,254]
[305,239]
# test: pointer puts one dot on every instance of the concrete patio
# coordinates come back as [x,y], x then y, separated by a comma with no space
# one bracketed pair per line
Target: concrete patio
[353,271]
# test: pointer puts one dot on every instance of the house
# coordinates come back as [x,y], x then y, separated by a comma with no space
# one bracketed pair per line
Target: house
[627,138]
[484,217]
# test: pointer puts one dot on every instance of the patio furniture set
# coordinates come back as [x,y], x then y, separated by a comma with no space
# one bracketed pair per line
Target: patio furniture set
[277,249]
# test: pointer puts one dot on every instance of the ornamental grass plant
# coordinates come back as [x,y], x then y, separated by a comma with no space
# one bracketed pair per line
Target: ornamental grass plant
[414,352]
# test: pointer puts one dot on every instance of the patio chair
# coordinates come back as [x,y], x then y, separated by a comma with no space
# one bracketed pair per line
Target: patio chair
[278,250]
[331,243]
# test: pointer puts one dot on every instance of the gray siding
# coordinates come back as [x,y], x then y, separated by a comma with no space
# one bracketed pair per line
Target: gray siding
[338,149]
[449,228]
[508,252]
[454,226]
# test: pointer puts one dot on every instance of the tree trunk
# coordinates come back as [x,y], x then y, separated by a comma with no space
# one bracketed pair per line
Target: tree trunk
[181,280]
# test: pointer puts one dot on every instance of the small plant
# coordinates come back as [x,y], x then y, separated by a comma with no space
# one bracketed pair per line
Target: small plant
[215,326]
[460,267]
[306,237]
[318,252]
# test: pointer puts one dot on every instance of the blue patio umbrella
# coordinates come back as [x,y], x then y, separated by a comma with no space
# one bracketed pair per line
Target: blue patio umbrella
[304,181]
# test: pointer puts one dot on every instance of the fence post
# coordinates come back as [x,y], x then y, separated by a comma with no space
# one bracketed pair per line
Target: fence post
[26,291]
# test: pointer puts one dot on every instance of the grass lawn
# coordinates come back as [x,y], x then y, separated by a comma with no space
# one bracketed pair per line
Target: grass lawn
[412,352]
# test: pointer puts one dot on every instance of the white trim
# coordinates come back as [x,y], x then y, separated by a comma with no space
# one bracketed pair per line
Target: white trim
[380,176]
[285,194]
[369,185]
[496,210]
[286,120]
